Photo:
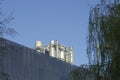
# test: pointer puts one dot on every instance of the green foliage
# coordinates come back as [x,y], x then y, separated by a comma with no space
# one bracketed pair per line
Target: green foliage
[81,73]
[104,40]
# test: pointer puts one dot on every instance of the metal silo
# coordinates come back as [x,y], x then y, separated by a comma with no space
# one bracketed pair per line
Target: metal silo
[38,46]
[57,48]
[71,54]
[66,54]
[52,48]
[62,53]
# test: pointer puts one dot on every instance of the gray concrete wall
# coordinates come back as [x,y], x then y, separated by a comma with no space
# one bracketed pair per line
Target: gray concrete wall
[23,63]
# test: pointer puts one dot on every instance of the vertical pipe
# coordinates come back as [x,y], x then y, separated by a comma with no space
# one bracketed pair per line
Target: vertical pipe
[57,49]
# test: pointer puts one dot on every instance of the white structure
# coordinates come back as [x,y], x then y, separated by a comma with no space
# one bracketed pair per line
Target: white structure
[38,46]
[57,50]
[62,52]
[52,49]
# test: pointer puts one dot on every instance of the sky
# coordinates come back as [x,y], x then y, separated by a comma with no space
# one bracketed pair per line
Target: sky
[45,20]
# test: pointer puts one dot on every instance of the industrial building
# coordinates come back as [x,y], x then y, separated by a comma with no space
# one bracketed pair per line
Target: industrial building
[57,50]
[18,62]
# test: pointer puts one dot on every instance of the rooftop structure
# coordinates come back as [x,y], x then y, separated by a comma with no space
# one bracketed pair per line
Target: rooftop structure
[57,50]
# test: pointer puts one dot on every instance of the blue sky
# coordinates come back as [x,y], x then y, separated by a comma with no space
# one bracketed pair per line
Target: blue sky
[45,20]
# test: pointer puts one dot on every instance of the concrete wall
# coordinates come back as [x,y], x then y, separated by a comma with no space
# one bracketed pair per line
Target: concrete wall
[23,63]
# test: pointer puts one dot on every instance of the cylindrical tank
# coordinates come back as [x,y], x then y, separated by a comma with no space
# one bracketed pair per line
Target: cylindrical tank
[52,51]
[66,55]
[71,54]
[62,53]
[71,60]
[52,42]
[57,48]
[52,48]
[38,46]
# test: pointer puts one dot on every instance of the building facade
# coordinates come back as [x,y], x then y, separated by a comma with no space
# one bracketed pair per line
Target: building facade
[22,63]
